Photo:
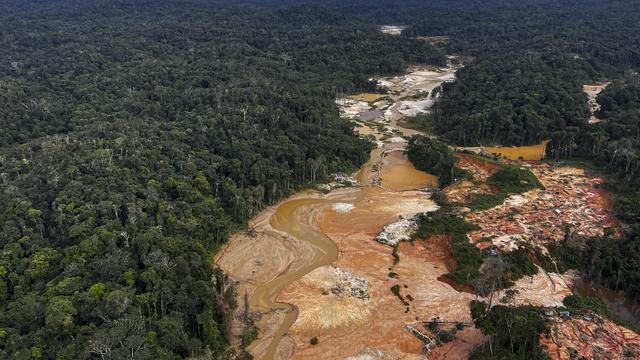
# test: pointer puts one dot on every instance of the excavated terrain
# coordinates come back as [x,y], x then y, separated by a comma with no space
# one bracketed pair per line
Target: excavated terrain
[591,337]
[569,198]
[322,265]
[592,92]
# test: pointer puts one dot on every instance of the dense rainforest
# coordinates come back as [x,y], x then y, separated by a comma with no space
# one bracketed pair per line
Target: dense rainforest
[135,136]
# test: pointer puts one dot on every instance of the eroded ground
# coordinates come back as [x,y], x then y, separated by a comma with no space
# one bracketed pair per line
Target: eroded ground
[591,337]
[592,92]
[320,265]
[569,198]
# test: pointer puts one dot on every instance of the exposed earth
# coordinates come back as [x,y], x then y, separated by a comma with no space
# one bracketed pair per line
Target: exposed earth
[592,92]
[320,264]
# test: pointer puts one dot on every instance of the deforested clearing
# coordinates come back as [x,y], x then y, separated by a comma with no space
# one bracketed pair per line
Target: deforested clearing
[395,30]
[367,97]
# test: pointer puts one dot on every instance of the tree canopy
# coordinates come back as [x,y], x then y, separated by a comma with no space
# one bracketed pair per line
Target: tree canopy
[136,136]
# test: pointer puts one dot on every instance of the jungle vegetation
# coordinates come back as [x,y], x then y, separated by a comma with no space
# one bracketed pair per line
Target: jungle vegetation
[136,136]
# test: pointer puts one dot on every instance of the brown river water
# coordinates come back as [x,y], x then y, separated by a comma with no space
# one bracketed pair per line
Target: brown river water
[290,244]
[616,301]
[296,219]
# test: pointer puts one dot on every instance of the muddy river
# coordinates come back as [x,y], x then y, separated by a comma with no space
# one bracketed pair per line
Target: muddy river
[295,243]
[312,268]
[616,301]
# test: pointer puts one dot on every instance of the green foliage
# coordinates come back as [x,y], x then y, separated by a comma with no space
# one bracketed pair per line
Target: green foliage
[249,335]
[97,290]
[314,340]
[468,257]
[445,221]
[486,201]
[36,353]
[513,179]
[509,180]
[421,123]
[579,304]
[447,336]
[518,98]
[514,332]
[395,289]
[435,157]
[433,325]
[60,313]
[612,262]
[129,277]
[133,142]
[519,263]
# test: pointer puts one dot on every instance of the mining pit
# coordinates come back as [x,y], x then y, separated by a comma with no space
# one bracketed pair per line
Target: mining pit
[340,266]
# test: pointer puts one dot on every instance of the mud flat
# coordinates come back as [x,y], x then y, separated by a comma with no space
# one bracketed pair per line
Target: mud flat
[410,94]
[311,267]
[327,265]
[382,314]
[366,97]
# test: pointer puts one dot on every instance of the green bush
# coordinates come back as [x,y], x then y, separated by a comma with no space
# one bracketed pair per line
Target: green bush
[435,157]
[509,180]
[514,332]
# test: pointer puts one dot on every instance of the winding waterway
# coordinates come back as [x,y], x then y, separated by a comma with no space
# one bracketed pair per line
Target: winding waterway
[295,218]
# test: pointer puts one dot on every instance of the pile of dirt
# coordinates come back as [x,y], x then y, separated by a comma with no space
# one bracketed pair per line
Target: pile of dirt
[465,342]
[351,109]
[342,207]
[338,181]
[375,354]
[401,230]
[543,289]
[367,97]
[464,191]
[434,249]
[411,108]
